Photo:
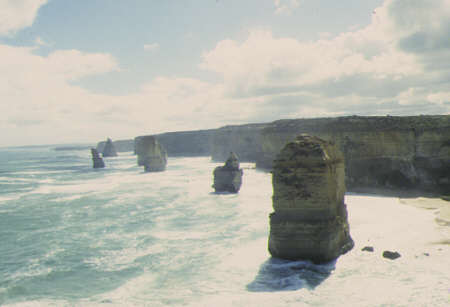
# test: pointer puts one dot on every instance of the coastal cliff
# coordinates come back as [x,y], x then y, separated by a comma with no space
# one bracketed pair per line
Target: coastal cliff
[394,152]
[244,140]
[187,143]
[120,145]
[183,143]
[410,152]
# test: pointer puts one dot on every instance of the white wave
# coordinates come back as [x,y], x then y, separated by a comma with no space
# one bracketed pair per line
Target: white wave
[9,198]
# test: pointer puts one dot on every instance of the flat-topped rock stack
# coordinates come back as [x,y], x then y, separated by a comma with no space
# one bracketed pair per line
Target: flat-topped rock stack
[150,154]
[109,150]
[97,161]
[310,218]
[228,178]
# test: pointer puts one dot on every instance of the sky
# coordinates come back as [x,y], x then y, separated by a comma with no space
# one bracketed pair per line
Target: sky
[81,71]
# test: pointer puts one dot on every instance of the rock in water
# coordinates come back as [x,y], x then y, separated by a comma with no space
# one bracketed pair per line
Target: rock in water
[310,218]
[228,178]
[391,255]
[96,159]
[367,249]
[150,154]
[109,150]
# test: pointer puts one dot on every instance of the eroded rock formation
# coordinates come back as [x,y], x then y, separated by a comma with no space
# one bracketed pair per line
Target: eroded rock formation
[182,143]
[310,217]
[228,178]
[97,161]
[387,152]
[244,140]
[150,154]
[109,150]
[391,255]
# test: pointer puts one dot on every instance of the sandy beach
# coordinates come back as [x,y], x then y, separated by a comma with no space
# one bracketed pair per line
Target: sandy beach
[440,207]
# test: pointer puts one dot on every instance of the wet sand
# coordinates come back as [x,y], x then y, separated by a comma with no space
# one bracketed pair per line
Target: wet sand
[440,206]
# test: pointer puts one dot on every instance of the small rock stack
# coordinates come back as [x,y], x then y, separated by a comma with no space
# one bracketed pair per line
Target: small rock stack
[96,159]
[310,218]
[228,178]
[109,150]
[150,154]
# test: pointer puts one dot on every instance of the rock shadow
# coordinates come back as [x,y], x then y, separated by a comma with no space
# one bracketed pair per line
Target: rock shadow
[223,193]
[283,275]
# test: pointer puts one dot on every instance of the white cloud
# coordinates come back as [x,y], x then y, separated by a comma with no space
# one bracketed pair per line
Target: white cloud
[41,104]
[383,68]
[40,42]
[74,64]
[285,6]
[38,97]
[384,61]
[151,47]
[263,61]
[18,14]
[439,98]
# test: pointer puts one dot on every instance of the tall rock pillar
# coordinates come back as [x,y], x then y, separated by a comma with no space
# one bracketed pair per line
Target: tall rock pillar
[228,178]
[310,218]
[97,161]
[150,154]
[109,150]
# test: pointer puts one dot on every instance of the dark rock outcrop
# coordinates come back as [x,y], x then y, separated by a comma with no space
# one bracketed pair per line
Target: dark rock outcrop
[391,255]
[310,218]
[109,150]
[97,161]
[228,178]
[244,140]
[367,249]
[150,154]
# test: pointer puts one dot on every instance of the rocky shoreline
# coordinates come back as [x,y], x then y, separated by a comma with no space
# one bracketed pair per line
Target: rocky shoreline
[407,153]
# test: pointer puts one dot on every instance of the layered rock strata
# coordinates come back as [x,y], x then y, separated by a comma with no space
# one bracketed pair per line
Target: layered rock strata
[228,178]
[97,161]
[150,154]
[109,150]
[310,217]
[387,152]
[410,153]
[182,143]
[244,140]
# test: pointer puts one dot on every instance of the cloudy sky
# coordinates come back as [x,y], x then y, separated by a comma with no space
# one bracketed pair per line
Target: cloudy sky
[79,71]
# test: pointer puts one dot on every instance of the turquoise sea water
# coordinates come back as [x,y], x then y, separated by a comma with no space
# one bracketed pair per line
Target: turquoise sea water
[74,236]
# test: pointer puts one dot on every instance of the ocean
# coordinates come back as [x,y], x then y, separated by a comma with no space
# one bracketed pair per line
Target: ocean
[72,235]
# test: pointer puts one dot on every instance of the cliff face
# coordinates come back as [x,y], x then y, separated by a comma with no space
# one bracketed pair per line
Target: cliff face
[109,150]
[244,140]
[183,143]
[186,143]
[387,152]
[120,145]
[310,218]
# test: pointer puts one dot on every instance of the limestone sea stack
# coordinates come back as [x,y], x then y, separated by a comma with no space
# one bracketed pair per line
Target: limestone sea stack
[97,161]
[150,154]
[228,178]
[310,218]
[109,150]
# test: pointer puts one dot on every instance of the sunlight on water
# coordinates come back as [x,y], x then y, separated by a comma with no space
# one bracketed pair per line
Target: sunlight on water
[121,237]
